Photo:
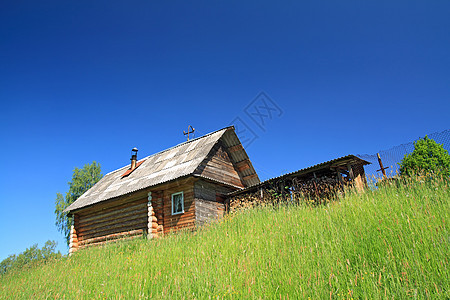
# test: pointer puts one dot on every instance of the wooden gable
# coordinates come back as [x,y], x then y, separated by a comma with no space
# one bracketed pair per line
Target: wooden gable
[218,166]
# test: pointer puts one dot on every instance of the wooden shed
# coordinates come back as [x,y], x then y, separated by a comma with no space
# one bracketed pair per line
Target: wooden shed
[319,181]
[180,187]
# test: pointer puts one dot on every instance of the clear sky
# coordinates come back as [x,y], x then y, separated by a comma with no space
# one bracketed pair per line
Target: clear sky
[89,80]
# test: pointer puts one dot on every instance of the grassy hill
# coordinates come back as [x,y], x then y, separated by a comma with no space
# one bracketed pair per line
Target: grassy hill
[389,243]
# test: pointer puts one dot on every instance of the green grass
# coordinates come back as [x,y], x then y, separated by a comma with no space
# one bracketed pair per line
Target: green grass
[390,243]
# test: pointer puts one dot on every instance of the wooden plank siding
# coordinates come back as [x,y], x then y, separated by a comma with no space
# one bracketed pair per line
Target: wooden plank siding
[218,166]
[209,201]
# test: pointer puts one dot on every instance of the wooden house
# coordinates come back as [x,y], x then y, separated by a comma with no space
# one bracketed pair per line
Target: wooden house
[180,187]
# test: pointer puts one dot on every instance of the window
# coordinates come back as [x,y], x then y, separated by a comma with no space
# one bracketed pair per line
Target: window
[177,203]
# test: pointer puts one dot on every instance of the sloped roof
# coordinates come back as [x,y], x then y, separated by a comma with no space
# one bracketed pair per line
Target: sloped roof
[170,164]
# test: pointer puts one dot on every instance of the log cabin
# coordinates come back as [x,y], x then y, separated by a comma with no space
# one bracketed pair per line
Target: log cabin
[181,187]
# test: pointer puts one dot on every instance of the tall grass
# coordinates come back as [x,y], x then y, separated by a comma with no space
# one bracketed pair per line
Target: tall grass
[392,242]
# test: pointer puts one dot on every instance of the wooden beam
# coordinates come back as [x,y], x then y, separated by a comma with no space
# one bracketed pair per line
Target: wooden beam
[249,176]
[350,171]
[339,176]
[243,168]
[235,148]
[242,163]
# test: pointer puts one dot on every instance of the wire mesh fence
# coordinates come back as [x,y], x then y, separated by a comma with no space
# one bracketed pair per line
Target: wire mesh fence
[392,156]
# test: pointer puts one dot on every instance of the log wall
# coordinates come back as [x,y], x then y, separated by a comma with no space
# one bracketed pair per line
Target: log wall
[110,221]
[73,245]
[145,212]
[148,212]
[164,210]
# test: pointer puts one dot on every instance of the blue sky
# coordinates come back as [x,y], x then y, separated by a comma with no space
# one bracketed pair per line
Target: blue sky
[89,80]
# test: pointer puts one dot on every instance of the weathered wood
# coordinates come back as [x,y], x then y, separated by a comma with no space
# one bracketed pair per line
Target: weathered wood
[223,176]
[117,231]
[138,224]
[111,236]
[73,243]
[204,190]
[111,220]
[359,177]
[112,225]
[242,163]
[116,219]
[114,211]
[206,211]
[186,218]
[235,148]
[111,203]
[125,238]
[159,211]
[142,194]
[177,219]
[249,176]
[180,222]
[218,166]
[243,168]
[350,171]
[125,212]
[190,226]
[115,214]
[339,176]
[223,190]
[108,221]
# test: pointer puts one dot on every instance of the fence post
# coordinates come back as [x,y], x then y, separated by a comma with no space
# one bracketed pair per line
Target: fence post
[382,169]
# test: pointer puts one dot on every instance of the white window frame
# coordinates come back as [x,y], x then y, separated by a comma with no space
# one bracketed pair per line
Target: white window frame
[182,203]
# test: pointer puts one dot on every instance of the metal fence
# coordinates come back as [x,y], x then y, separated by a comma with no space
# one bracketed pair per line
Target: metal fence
[391,157]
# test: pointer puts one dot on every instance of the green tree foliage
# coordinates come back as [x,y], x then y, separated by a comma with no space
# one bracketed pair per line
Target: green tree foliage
[427,157]
[82,180]
[29,257]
